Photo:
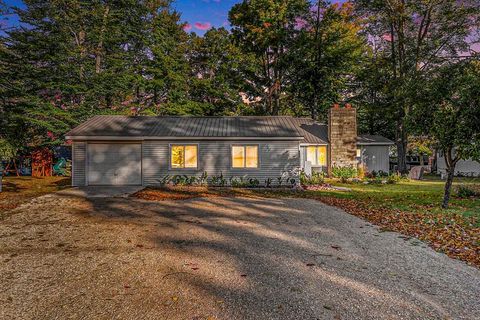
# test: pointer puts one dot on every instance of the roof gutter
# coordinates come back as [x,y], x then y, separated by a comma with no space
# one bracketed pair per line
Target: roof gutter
[142,138]
[375,143]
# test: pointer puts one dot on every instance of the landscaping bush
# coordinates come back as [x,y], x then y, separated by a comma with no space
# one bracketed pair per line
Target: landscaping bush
[238,182]
[268,182]
[165,180]
[253,183]
[362,171]
[317,178]
[184,180]
[203,179]
[394,178]
[218,181]
[344,173]
[464,191]
[375,180]
[279,181]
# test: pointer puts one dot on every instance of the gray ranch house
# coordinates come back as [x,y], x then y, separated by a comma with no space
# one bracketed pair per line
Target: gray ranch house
[142,150]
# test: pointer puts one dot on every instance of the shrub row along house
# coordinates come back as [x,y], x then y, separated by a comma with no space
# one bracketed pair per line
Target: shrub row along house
[121,150]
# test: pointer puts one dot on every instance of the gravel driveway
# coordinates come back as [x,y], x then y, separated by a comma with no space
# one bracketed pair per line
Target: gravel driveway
[65,257]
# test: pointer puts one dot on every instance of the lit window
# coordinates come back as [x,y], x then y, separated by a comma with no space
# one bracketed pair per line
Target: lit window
[184,156]
[317,155]
[359,153]
[245,156]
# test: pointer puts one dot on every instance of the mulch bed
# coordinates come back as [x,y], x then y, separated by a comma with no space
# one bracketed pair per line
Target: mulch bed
[163,194]
[452,234]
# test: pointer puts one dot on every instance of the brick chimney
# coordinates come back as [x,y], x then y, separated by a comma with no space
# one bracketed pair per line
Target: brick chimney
[342,135]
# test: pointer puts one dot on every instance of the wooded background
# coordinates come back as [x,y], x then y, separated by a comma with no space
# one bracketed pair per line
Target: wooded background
[69,60]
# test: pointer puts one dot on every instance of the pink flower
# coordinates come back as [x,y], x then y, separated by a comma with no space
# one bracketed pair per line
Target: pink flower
[300,23]
[387,37]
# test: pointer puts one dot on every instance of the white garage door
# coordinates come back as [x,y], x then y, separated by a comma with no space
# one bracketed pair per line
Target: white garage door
[114,164]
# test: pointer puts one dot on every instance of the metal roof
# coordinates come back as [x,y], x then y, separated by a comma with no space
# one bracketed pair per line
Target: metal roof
[369,139]
[265,127]
[313,132]
[186,127]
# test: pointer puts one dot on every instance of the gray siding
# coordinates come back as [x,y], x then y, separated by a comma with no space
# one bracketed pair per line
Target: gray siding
[214,157]
[463,167]
[376,158]
[78,157]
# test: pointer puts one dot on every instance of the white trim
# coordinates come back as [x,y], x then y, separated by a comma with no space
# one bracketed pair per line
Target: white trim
[141,138]
[86,163]
[313,144]
[73,163]
[170,168]
[375,143]
[244,145]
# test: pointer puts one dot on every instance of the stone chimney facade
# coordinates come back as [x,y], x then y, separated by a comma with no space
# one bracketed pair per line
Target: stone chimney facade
[342,135]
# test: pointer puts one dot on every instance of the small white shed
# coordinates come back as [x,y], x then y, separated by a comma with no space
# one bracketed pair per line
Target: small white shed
[374,152]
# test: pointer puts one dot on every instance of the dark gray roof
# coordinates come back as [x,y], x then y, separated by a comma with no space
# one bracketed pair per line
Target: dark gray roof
[185,127]
[312,131]
[365,139]
[281,127]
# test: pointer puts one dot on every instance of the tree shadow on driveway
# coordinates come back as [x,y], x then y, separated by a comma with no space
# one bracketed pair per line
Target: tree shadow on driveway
[289,259]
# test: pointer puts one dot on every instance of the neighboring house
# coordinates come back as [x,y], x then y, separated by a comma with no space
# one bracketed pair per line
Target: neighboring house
[468,168]
[121,150]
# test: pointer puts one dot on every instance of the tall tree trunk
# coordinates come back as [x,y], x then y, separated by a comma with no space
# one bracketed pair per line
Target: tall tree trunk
[450,162]
[99,51]
[83,53]
[401,142]
[448,187]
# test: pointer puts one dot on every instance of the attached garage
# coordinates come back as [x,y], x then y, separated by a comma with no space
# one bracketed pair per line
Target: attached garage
[114,164]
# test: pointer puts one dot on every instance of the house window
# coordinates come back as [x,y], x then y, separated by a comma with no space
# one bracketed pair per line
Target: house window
[244,156]
[317,155]
[359,152]
[184,156]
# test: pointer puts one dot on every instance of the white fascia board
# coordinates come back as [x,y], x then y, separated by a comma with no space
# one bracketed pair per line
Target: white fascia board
[375,143]
[123,138]
[313,144]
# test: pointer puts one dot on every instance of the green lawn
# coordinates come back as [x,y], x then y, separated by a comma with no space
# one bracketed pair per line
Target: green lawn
[18,190]
[418,196]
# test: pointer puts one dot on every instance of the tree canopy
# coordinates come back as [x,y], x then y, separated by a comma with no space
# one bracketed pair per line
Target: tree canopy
[69,60]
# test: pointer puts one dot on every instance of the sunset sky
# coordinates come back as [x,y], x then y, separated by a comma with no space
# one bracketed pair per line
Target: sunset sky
[200,15]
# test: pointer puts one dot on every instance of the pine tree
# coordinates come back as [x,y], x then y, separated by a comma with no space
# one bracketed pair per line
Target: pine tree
[267,29]
[70,60]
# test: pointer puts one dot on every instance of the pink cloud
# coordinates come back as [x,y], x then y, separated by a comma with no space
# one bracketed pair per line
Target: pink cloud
[187,27]
[203,25]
